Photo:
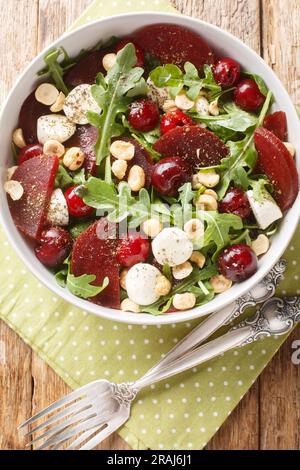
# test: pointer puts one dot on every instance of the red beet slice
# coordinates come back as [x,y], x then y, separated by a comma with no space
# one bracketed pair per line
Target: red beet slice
[198,146]
[37,176]
[31,110]
[277,124]
[141,158]
[86,69]
[174,44]
[86,137]
[275,161]
[94,252]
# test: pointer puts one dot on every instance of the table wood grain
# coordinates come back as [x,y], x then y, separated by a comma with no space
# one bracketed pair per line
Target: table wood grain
[268,417]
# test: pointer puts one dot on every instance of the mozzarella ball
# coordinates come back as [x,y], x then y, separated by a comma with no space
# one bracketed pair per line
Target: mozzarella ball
[78,102]
[140,281]
[54,127]
[172,246]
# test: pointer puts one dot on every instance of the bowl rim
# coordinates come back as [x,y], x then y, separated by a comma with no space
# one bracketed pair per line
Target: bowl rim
[218,302]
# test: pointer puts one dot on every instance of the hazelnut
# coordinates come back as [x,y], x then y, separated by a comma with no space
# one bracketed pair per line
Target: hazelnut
[162,286]
[128,305]
[53,147]
[198,258]
[182,270]
[220,283]
[136,178]
[74,158]
[122,150]
[18,138]
[261,245]
[152,227]
[14,189]
[46,94]
[184,301]
[119,168]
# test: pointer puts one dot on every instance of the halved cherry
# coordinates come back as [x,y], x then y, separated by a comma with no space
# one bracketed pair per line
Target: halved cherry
[173,119]
[174,44]
[54,246]
[138,51]
[197,146]
[169,174]
[275,161]
[37,177]
[277,123]
[76,206]
[33,150]
[132,249]
[94,252]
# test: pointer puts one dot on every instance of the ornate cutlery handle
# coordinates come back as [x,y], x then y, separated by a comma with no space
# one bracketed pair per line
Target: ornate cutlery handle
[260,293]
[275,317]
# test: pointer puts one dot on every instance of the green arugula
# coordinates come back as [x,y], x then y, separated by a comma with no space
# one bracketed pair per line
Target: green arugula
[57,63]
[80,286]
[242,157]
[171,76]
[165,302]
[78,229]
[112,93]
[63,178]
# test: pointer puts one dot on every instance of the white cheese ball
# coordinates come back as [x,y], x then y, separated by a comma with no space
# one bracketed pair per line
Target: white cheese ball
[172,246]
[78,102]
[58,213]
[141,280]
[54,127]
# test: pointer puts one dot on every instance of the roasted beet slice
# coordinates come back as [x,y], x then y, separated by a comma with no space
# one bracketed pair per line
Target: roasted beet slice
[174,44]
[198,146]
[277,124]
[86,69]
[31,110]
[37,176]
[275,161]
[94,252]
[86,137]
[141,158]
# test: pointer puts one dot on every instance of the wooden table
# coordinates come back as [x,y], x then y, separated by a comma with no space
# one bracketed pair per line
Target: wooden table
[269,415]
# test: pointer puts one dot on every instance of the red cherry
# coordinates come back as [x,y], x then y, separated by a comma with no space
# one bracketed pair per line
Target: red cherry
[133,249]
[237,262]
[227,72]
[55,246]
[174,119]
[34,150]
[76,206]
[138,51]
[143,115]
[235,202]
[169,174]
[248,96]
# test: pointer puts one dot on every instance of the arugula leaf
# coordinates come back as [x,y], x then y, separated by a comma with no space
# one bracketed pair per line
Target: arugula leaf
[242,157]
[81,286]
[235,119]
[259,81]
[186,194]
[111,94]
[79,177]
[217,228]
[99,194]
[55,68]
[61,277]
[79,228]
[171,76]
[63,178]
[259,188]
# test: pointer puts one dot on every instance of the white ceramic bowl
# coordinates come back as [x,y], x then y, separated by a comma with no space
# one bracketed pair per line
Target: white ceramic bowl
[122,25]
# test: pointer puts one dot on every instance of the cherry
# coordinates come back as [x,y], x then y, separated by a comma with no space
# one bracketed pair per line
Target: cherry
[226,72]
[144,115]
[132,249]
[247,95]
[169,174]
[34,150]
[138,51]
[55,245]
[174,119]
[237,262]
[235,202]
[76,206]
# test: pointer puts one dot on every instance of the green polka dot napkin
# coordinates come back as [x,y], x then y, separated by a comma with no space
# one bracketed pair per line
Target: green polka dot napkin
[182,413]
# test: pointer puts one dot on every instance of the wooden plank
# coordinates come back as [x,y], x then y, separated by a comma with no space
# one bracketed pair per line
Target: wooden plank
[227,14]
[17,48]
[280,392]
[16,387]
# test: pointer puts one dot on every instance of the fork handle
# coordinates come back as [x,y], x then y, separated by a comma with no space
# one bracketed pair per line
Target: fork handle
[214,348]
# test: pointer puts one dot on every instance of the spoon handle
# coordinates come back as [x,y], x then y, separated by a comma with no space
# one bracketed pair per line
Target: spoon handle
[264,290]
[275,317]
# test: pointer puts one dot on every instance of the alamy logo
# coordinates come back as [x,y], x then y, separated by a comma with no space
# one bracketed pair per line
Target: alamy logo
[296,354]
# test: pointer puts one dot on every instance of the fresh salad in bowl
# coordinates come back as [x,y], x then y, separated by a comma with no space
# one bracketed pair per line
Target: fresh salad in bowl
[150,173]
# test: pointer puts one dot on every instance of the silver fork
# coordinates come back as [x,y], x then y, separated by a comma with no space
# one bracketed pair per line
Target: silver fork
[98,409]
